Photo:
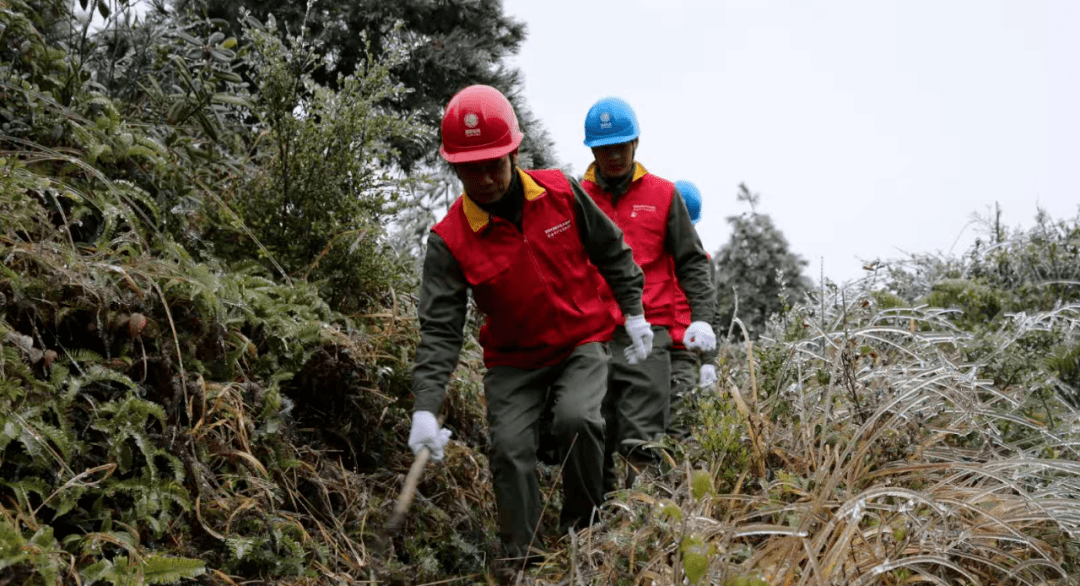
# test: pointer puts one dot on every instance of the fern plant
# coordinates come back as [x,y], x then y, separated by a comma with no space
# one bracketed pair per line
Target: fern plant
[154,569]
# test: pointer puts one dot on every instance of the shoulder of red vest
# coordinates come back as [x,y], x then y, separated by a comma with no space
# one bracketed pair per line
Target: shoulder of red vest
[657,190]
[590,187]
[549,178]
[452,221]
[656,182]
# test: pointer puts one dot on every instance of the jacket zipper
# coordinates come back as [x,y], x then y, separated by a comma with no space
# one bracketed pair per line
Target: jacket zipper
[536,264]
[540,273]
[529,251]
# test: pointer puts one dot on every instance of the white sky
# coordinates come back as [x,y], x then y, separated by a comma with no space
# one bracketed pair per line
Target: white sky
[871,128]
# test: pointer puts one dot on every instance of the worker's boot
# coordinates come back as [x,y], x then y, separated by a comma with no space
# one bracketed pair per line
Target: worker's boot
[509,568]
[505,572]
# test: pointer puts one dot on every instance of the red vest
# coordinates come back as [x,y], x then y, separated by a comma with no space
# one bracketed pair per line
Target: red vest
[642,214]
[536,287]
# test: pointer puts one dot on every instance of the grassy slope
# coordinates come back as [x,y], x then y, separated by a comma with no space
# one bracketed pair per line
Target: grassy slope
[166,415]
[869,450]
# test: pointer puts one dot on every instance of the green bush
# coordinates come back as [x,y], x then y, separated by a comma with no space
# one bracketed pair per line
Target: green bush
[978,304]
[160,369]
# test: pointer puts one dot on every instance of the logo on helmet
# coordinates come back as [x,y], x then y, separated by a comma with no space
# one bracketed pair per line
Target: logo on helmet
[471,120]
[605,120]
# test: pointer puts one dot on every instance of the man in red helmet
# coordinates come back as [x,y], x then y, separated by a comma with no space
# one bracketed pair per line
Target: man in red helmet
[535,251]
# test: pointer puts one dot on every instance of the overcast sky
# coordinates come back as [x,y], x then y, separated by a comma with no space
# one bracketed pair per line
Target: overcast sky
[870,128]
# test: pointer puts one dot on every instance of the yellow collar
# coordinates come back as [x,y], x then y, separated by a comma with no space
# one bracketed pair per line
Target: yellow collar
[639,172]
[476,215]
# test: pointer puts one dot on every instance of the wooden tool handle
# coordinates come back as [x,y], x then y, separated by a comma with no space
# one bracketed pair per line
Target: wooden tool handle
[408,492]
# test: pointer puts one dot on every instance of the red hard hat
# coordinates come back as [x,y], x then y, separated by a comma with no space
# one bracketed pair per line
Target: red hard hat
[479,124]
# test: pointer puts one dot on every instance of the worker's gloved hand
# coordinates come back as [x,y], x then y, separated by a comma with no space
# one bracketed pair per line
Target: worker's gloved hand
[426,433]
[641,336]
[707,376]
[699,336]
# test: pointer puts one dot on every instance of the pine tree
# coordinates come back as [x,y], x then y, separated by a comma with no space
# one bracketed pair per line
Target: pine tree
[757,273]
[451,45]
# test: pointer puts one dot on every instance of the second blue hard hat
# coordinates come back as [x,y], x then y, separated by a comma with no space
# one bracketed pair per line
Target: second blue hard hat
[692,197]
[610,121]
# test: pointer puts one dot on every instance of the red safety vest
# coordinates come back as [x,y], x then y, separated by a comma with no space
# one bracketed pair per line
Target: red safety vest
[536,287]
[642,214]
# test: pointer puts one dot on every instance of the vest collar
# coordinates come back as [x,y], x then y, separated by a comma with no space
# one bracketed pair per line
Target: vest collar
[478,218]
[639,172]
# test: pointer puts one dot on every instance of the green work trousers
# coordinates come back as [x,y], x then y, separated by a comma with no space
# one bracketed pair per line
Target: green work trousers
[636,406]
[684,377]
[515,400]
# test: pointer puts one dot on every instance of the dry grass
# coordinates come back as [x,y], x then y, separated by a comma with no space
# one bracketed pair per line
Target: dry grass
[888,461]
[865,448]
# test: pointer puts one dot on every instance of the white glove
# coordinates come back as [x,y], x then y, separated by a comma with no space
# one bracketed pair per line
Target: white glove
[707,376]
[699,336]
[641,336]
[426,433]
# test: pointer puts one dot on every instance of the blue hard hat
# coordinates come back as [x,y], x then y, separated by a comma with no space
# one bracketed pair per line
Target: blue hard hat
[610,121]
[692,197]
